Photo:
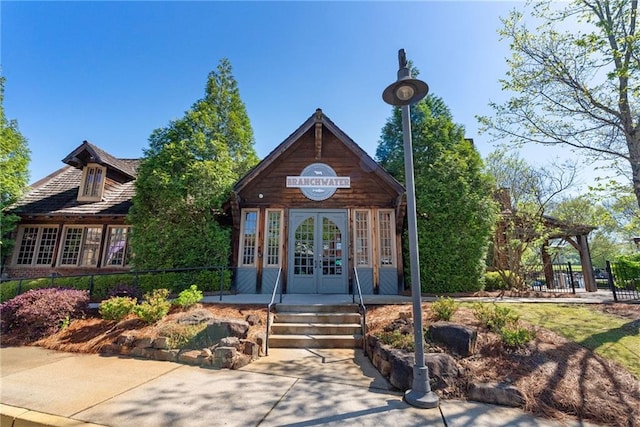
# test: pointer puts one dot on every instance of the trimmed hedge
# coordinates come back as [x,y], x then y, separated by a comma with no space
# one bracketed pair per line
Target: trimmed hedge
[105,284]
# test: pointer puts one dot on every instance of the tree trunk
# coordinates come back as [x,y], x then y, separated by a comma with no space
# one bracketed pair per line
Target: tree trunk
[633,144]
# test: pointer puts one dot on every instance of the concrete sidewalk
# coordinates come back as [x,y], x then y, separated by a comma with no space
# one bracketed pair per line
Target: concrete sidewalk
[288,388]
[581,297]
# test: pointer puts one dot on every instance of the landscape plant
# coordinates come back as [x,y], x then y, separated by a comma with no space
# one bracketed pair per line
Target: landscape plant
[189,297]
[41,312]
[515,336]
[116,308]
[154,307]
[443,308]
[397,339]
[493,316]
[181,335]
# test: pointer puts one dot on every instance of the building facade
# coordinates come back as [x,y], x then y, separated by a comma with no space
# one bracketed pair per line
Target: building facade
[316,212]
[74,220]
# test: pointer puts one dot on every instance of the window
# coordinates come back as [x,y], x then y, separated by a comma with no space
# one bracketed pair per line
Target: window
[273,238]
[249,238]
[387,238]
[92,184]
[116,253]
[80,246]
[36,245]
[362,238]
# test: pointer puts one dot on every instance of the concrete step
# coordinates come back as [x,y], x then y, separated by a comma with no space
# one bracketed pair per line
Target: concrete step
[315,329]
[317,308]
[302,317]
[315,341]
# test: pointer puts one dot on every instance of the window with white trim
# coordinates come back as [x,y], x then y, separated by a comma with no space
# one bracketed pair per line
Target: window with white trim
[116,250]
[249,237]
[36,245]
[362,236]
[92,184]
[273,238]
[386,238]
[80,246]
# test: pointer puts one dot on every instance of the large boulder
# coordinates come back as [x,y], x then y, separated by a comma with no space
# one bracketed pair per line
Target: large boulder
[459,339]
[443,369]
[222,328]
[497,393]
[195,317]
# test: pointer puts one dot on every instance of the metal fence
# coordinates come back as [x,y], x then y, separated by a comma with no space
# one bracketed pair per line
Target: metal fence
[623,283]
[556,278]
[212,279]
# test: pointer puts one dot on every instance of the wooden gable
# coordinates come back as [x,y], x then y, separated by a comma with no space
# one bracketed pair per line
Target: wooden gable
[318,140]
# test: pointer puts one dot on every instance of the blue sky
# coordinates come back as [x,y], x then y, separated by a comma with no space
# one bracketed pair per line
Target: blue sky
[112,72]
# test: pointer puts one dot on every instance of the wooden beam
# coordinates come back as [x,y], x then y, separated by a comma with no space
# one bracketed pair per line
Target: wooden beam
[318,134]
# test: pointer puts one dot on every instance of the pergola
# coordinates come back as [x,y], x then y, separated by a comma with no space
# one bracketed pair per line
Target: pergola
[574,234]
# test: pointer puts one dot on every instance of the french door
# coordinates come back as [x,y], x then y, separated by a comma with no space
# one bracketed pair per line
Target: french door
[317,252]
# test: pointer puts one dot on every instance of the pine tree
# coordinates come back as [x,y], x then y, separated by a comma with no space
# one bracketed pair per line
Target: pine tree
[454,204]
[185,177]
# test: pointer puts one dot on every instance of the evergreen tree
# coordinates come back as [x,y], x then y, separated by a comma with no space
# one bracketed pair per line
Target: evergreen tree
[185,177]
[14,174]
[454,204]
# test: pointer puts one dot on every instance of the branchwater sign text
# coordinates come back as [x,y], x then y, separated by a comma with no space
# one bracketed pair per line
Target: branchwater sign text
[318,181]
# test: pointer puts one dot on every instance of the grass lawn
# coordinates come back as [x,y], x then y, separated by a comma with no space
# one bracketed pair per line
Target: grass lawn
[611,337]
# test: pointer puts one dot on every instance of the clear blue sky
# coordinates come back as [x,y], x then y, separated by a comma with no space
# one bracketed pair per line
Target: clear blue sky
[112,72]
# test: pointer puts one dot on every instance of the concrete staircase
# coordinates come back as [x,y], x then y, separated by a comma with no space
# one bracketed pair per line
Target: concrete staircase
[316,326]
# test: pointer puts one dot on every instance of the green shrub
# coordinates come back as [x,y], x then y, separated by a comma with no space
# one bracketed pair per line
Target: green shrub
[626,270]
[514,336]
[155,306]
[396,339]
[182,335]
[116,308]
[494,317]
[189,297]
[493,280]
[443,308]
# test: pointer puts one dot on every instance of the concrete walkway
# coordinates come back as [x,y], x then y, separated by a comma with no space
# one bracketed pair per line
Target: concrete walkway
[580,297]
[288,388]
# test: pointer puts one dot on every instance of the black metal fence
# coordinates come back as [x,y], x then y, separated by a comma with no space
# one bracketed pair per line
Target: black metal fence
[556,278]
[624,283]
[212,279]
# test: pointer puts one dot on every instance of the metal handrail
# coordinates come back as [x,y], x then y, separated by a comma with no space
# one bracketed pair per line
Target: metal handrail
[273,297]
[362,307]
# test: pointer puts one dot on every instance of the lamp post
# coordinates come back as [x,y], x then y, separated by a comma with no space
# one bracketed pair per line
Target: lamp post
[402,93]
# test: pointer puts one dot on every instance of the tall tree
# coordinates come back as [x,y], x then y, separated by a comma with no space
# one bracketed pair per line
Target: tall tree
[14,174]
[185,176]
[575,79]
[454,203]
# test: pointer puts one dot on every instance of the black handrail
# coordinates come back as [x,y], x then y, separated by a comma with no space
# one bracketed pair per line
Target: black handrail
[362,307]
[273,297]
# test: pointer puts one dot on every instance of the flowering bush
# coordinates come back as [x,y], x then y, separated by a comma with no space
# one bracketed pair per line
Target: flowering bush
[40,312]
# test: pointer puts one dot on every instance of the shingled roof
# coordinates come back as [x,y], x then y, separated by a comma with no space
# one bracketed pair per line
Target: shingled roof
[89,153]
[57,194]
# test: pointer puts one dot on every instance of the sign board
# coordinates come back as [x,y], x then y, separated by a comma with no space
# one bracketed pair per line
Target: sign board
[318,181]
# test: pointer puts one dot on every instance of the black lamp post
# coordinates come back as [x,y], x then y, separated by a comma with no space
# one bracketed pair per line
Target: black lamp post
[402,93]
